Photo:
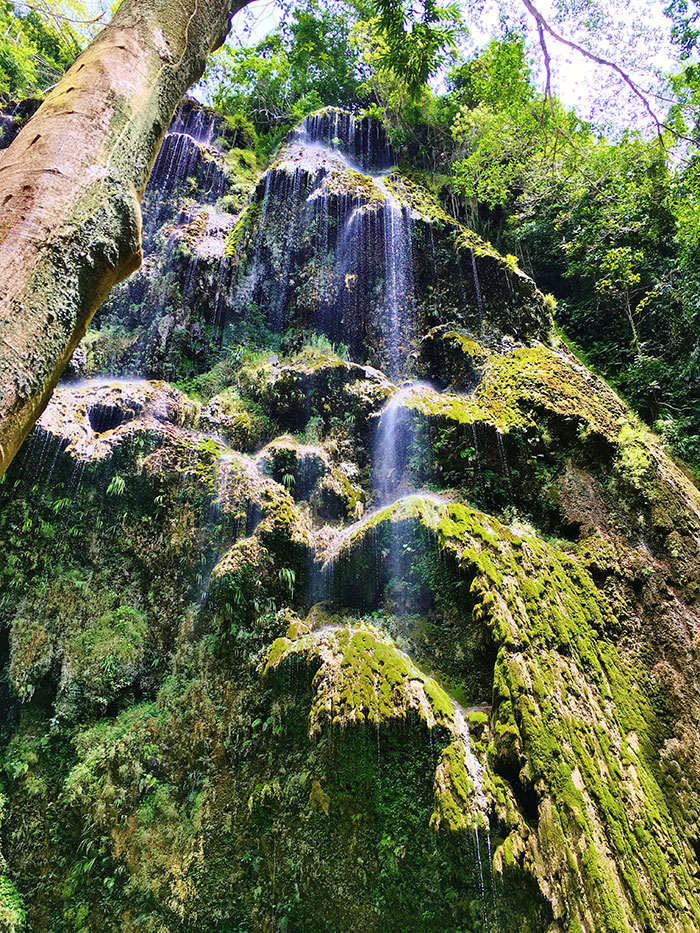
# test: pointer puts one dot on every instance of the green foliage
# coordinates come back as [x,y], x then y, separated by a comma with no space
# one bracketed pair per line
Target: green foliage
[287,577]
[270,87]
[12,913]
[684,15]
[415,117]
[117,486]
[417,37]
[158,781]
[608,227]
[242,129]
[36,45]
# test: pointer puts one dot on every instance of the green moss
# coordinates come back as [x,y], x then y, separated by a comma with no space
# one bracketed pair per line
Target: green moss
[207,807]
[319,799]
[407,189]
[243,230]
[242,420]
[455,791]
[363,678]
[349,182]
[551,624]
[472,241]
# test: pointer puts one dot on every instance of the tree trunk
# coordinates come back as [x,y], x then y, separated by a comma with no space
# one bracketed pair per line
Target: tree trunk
[71,185]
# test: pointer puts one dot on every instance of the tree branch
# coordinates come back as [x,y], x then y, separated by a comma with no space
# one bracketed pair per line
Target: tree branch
[55,15]
[544,27]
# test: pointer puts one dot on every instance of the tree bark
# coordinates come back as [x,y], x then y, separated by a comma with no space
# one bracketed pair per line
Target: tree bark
[71,185]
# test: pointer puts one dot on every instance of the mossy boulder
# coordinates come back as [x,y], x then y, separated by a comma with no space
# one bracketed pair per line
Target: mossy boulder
[363,678]
[90,421]
[452,358]
[573,792]
[242,422]
[308,473]
[99,654]
[297,391]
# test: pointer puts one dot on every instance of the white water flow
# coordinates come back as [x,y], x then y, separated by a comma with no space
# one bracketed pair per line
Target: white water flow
[386,459]
[477,457]
[477,289]
[263,218]
[366,230]
[394,447]
[364,141]
[292,233]
[190,134]
[395,443]
[478,811]
[399,296]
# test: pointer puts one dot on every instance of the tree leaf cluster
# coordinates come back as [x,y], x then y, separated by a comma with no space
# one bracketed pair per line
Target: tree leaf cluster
[36,46]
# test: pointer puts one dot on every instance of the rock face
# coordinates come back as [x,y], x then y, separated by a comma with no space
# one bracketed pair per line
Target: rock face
[385,617]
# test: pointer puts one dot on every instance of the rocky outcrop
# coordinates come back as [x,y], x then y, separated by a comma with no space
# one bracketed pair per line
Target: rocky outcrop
[385,618]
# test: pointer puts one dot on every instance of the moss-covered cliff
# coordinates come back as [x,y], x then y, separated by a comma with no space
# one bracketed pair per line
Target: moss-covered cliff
[383,617]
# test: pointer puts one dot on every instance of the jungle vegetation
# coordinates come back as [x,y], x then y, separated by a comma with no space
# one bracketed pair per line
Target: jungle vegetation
[160,768]
[604,217]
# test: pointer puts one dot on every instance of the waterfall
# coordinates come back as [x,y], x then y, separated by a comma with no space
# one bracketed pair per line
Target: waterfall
[191,120]
[399,280]
[332,244]
[334,251]
[477,289]
[278,318]
[392,447]
[398,271]
[363,141]
[181,158]
[386,459]
[357,235]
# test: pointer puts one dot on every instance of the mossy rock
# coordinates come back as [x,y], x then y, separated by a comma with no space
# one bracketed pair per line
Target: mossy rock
[566,797]
[299,391]
[452,358]
[517,651]
[242,422]
[308,474]
[100,654]
[298,467]
[363,678]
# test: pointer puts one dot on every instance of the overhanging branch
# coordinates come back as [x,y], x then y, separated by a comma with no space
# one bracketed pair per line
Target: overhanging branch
[543,27]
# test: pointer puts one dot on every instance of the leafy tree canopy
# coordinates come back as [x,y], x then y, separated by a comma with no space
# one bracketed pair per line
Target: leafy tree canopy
[38,41]
[307,63]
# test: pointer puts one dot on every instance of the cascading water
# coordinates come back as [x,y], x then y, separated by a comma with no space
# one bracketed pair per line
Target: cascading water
[332,247]
[341,289]
[363,141]
[202,125]
[190,157]
[398,273]
[387,451]
[187,278]
[396,441]
[394,444]
[477,289]
[331,241]
[329,220]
